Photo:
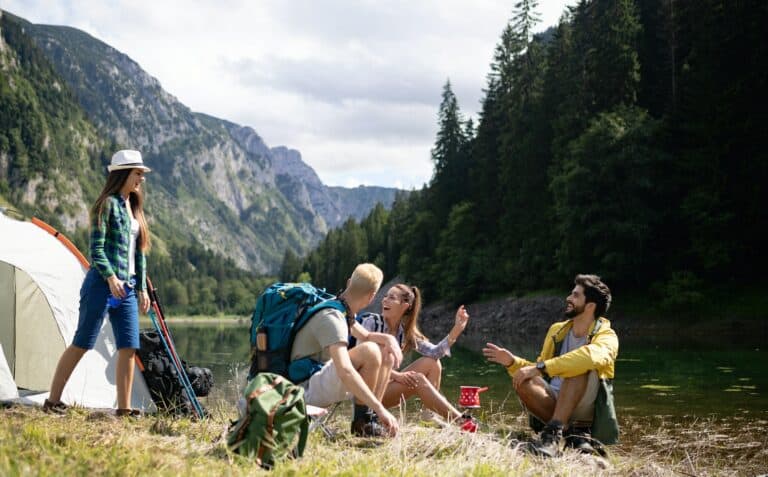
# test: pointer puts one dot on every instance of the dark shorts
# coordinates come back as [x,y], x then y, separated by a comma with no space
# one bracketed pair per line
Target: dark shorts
[93,307]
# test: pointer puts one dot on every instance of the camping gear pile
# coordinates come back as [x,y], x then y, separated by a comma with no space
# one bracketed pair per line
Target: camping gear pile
[165,367]
[165,385]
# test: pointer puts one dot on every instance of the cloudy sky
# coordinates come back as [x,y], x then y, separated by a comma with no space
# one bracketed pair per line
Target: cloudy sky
[353,85]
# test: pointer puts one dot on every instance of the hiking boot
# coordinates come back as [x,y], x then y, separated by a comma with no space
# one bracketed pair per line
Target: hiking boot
[548,444]
[468,424]
[55,407]
[368,428]
[580,439]
[365,423]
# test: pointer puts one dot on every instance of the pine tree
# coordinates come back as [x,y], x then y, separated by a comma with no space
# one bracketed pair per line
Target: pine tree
[525,155]
[525,18]
[450,165]
[291,266]
[609,39]
[659,51]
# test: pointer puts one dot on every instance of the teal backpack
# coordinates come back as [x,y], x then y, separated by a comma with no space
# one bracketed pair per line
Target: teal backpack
[281,312]
[273,418]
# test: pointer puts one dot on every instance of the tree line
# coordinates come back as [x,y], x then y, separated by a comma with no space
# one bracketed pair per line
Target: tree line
[627,141]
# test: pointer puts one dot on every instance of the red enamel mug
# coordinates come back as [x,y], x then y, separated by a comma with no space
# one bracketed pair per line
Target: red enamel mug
[469,396]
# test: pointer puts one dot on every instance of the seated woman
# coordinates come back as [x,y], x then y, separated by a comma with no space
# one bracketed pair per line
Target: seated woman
[399,317]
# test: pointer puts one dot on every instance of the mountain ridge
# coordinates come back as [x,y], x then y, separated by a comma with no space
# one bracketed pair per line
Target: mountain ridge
[214,181]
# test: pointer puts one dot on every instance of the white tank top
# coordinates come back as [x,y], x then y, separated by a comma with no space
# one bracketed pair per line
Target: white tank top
[132,247]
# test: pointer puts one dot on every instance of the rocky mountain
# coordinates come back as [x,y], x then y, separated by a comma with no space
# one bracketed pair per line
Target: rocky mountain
[214,181]
[334,204]
[49,151]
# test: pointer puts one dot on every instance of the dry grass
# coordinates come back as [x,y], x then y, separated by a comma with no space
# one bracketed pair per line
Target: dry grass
[699,446]
[84,442]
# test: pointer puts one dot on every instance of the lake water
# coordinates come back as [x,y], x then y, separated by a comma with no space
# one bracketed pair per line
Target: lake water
[677,379]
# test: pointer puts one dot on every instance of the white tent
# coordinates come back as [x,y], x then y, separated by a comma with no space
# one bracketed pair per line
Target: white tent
[40,283]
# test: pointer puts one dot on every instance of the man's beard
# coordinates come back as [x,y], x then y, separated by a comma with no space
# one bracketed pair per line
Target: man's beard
[574,311]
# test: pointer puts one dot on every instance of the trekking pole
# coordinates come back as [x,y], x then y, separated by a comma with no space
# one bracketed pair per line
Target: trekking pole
[158,320]
[180,373]
[161,319]
[165,336]
[159,310]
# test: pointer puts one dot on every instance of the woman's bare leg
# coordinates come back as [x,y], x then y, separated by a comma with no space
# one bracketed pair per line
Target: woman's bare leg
[429,395]
[429,367]
[124,376]
[67,362]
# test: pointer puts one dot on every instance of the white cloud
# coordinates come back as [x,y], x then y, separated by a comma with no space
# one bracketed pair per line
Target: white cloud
[354,85]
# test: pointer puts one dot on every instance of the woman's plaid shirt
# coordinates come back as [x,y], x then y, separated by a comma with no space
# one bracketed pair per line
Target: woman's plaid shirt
[109,243]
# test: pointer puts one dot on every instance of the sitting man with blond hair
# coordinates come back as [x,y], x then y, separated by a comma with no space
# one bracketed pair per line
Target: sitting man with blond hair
[362,372]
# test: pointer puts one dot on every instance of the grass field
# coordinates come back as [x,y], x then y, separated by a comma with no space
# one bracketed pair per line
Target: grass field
[96,443]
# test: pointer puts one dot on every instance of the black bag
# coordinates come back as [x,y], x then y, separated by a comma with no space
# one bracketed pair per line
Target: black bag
[200,378]
[163,380]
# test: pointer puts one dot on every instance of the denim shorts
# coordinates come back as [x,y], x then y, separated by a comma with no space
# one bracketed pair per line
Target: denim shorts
[93,306]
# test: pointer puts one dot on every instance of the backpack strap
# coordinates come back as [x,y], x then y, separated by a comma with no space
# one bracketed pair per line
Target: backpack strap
[335,303]
[559,345]
[306,314]
[598,324]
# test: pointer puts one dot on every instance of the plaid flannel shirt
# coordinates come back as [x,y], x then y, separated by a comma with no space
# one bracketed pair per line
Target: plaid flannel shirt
[110,240]
[376,323]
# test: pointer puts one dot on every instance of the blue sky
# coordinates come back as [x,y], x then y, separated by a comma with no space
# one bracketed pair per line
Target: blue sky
[353,85]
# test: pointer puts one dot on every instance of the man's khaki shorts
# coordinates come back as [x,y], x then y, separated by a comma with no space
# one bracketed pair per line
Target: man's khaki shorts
[325,387]
[585,410]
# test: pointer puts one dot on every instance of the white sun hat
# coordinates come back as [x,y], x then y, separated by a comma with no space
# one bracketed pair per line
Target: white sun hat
[127,159]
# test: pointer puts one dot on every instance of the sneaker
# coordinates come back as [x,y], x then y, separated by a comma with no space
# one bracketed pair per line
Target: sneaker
[468,423]
[579,439]
[55,407]
[548,444]
[368,428]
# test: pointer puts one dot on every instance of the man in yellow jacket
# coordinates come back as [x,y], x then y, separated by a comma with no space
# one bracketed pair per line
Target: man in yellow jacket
[560,388]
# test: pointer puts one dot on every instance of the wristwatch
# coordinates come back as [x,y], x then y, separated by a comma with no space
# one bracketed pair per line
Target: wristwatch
[542,368]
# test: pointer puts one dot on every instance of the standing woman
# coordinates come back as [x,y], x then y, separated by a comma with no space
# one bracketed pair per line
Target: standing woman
[399,316]
[119,242]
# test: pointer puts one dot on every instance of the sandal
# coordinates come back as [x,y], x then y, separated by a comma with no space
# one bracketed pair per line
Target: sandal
[128,413]
[55,407]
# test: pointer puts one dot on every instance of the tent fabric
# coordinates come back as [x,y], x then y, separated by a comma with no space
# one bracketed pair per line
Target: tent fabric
[7,385]
[39,303]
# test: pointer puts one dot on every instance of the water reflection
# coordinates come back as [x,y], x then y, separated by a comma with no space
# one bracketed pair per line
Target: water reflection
[670,380]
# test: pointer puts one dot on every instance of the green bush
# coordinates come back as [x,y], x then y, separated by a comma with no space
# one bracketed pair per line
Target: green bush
[683,290]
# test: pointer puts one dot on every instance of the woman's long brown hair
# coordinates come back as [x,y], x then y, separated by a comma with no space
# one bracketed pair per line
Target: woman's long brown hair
[410,319]
[115,182]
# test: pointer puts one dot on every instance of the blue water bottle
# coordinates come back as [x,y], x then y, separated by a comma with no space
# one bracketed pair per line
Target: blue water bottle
[113,301]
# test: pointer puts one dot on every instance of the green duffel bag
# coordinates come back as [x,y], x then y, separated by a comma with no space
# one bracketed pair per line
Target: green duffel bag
[605,426]
[273,418]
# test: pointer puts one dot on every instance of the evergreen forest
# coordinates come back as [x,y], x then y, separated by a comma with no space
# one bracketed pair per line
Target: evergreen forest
[628,141]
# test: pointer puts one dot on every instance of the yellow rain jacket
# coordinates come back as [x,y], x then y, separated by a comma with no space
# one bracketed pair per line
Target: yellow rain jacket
[599,353]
